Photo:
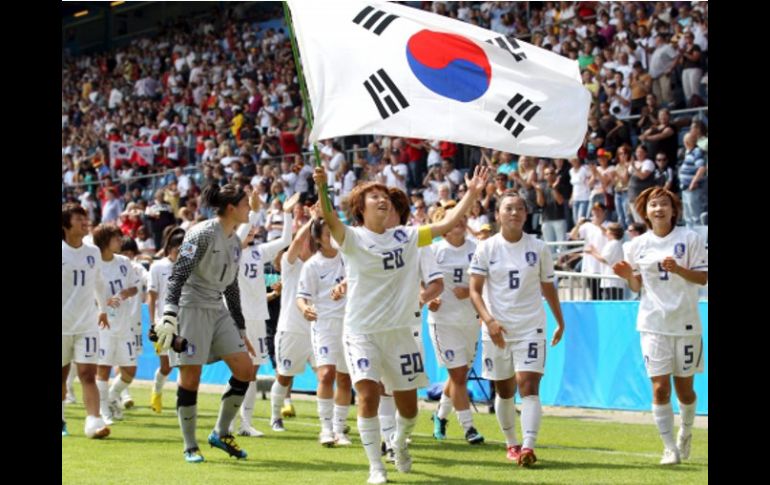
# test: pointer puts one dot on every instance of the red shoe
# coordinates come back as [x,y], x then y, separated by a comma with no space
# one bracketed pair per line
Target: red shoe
[513,453]
[527,457]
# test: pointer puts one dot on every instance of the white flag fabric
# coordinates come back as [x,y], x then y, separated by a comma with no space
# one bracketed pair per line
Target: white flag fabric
[141,154]
[383,68]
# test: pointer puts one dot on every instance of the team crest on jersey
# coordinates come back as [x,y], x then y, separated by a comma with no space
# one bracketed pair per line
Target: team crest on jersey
[363,363]
[323,350]
[91,261]
[123,270]
[286,363]
[400,236]
[450,355]
[531,258]
[190,350]
[488,363]
[678,250]
[255,255]
[188,250]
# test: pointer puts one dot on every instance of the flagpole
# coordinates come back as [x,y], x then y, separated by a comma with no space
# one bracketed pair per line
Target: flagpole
[324,192]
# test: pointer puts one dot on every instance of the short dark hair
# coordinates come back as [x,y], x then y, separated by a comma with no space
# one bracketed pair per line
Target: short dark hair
[104,233]
[67,210]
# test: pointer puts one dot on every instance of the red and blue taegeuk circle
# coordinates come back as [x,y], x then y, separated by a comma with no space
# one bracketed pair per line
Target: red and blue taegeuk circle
[449,65]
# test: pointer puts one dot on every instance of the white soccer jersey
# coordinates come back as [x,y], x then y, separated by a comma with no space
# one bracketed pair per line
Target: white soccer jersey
[251,273]
[669,303]
[512,291]
[318,277]
[291,319]
[120,275]
[453,264]
[594,236]
[383,279]
[82,285]
[135,302]
[160,272]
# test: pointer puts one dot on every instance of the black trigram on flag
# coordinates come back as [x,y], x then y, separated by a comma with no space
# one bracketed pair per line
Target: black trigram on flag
[374,18]
[511,47]
[519,108]
[376,85]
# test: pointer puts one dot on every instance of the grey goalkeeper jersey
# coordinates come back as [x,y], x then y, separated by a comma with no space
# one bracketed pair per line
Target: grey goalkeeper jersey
[207,267]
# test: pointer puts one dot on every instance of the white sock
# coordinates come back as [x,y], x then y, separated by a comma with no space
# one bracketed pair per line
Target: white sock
[247,407]
[325,412]
[125,394]
[104,400]
[369,430]
[444,406]
[404,428]
[466,418]
[531,412]
[387,413]
[505,410]
[71,377]
[664,419]
[118,386]
[159,382]
[277,396]
[687,413]
[340,418]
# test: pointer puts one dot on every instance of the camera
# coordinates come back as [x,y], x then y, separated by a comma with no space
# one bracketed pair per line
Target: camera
[615,109]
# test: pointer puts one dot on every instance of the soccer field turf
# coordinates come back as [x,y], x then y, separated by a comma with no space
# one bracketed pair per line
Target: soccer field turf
[147,447]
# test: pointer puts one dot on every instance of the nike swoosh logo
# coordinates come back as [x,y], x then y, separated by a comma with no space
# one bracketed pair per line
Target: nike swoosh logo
[410,379]
[324,276]
[187,419]
[366,444]
[242,345]
[506,429]
[370,247]
[686,368]
[492,262]
[529,361]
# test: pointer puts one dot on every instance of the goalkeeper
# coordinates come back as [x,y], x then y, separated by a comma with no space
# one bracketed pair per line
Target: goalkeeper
[205,269]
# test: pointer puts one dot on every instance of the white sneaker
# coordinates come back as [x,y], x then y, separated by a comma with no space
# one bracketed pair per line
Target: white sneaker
[683,445]
[326,438]
[377,475]
[116,410]
[70,398]
[249,430]
[126,399]
[342,439]
[670,457]
[403,459]
[277,425]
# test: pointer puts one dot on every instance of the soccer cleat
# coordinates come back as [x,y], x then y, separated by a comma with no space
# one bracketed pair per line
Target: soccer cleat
[128,402]
[227,444]
[342,439]
[683,445]
[377,476]
[277,425]
[99,430]
[670,457]
[326,438]
[527,457]
[473,437]
[193,455]
[439,427]
[390,455]
[513,452]
[156,402]
[64,429]
[249,430]
[70,398]
[116,410]
[403,459]
[288,411]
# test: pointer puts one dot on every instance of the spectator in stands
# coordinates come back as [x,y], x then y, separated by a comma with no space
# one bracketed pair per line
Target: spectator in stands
[693,181]
[640,83]
[661,137]
[592,232]
[144,242]
[581,192]
[552,202]
[620,180]
[159,215]
[662,63]
[692,70]
[112,206]
[641,172]
[665,174]
[611,288]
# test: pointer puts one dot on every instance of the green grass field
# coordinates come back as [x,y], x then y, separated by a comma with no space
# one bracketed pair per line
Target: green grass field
[146,447]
